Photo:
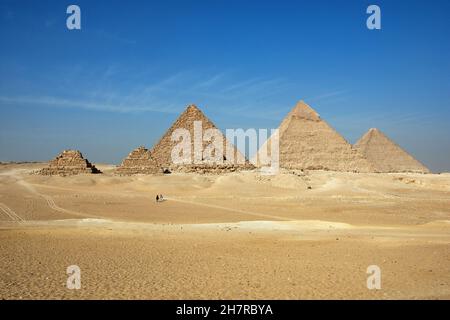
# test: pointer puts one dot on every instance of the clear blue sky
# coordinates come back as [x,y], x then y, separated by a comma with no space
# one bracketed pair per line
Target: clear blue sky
[121,80]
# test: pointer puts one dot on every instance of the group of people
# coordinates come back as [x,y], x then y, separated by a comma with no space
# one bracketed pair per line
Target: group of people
[159,198]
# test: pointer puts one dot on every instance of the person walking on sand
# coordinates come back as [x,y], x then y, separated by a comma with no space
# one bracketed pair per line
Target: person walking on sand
[161,197]
[157,198]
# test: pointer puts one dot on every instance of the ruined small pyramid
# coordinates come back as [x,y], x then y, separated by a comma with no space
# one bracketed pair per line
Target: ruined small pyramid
[138,161]
[386,155]
[307,142]
[162,151]
[69,162]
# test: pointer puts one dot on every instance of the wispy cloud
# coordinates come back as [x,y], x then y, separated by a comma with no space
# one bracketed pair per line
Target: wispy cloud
[87,105]
[209,82]
[113,89]
[329,96]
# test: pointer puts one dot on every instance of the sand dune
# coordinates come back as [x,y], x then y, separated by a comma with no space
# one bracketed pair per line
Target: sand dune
[238,235]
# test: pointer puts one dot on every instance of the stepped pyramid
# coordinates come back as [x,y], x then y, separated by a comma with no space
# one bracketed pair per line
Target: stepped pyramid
[307,142]
[69,162]
[161,152]
[138,161]
[386,155]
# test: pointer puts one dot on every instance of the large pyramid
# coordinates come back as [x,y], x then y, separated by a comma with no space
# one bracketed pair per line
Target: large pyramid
[307,142]
[69,162]
[162,151]
[386,155]
[138,161]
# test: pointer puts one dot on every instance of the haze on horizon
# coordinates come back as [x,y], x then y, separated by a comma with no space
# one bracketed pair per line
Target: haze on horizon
[121,80]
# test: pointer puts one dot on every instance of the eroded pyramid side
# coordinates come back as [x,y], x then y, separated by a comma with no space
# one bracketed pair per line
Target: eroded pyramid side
[139,161]
[162,151]
[69,162]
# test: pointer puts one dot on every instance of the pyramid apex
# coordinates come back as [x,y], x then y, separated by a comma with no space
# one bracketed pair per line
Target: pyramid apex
[192,107]
[303,110]
[374,131]
[302,103]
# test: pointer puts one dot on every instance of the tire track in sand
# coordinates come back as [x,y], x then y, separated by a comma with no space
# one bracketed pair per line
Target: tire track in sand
[10,213]
[51,203]
[256,214]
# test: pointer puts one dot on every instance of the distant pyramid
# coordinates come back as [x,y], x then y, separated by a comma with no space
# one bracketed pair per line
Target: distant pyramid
[138,161]
[307,142]
[386,155]
[161,152]
[69,162]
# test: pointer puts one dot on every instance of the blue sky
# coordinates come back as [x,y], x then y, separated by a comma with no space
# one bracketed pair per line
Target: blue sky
[121,80]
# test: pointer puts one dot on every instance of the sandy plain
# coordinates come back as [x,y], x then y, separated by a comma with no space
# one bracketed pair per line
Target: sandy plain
[234,236]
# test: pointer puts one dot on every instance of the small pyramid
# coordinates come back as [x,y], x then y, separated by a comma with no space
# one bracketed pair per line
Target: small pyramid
[138,161]
[386,155]
[307,142]
[162,151]
[69,162]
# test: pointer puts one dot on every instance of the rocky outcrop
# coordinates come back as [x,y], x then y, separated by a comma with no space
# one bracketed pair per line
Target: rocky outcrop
[69,162]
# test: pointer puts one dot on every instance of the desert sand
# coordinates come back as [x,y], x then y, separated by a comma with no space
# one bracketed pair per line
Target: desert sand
[231,236]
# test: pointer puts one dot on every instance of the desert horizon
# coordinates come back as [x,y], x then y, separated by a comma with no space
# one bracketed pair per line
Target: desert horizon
[296,235]
[216,158]
[320,224]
